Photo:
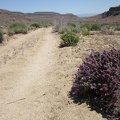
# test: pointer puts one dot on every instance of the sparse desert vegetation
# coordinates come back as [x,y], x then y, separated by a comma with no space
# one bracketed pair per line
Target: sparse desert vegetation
[97,80]
[46,83]
[82,27]
[78,39]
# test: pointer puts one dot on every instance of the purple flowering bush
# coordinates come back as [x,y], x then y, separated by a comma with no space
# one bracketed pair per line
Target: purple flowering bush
[100,74]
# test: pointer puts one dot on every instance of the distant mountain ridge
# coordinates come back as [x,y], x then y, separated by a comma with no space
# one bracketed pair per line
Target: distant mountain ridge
[37,14]
[51,16]
[86,15]
[46,15]
[111,16]
[8,17]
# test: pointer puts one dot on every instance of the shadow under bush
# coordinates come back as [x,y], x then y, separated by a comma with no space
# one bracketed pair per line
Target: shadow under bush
[97,83]
[1,36]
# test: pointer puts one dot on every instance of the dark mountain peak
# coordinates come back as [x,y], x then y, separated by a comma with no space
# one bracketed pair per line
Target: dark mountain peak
[113,11]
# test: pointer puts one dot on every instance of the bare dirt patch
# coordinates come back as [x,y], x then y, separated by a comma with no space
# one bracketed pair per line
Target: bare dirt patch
[36,76]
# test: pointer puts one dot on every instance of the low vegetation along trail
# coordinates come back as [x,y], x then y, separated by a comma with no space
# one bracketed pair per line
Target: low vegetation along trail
[34,84]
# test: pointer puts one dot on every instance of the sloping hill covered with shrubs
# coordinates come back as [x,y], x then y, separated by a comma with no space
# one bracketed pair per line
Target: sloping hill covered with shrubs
[8,17]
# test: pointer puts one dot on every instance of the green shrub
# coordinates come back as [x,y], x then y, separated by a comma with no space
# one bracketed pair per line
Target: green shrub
[95,27]
[29,27]
[107,26]
[35,25]
[11,32]
[90,26]
[72,24]
[64,29]
[1,36]
[76,29]
[86,33]
[117,28]
[84,29]
[85,25]
[69,39]
[17,28]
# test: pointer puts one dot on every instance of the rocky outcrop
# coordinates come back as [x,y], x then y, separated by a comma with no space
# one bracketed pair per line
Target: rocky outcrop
[113,11]
[112,16]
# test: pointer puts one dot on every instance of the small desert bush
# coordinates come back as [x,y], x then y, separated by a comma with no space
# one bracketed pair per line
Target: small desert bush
[99,76]
[85,25]
[117,28]
[107,26]
[44,23]
[35,25]
[64,29]
[69,39]
[17,28]
[1,36]
[108,31]
[95,27]
[84,29]
[86,33]
[71,24]
[76,29]
[11,32]
[90,26]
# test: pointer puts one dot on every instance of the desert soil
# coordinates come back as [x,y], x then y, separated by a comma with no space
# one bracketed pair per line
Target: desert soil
[36,76]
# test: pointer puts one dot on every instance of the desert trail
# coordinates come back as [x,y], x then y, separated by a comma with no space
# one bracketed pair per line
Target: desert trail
[36,77]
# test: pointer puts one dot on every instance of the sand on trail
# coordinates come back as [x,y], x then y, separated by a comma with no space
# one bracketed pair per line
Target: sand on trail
[35,80]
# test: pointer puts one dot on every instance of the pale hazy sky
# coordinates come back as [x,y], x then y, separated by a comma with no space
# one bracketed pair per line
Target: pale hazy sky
[61,6]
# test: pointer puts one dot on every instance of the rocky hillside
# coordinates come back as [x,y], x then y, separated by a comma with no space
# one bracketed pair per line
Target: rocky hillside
[110,16]
[8,17]
[52,16]
[38,15]
[113,11]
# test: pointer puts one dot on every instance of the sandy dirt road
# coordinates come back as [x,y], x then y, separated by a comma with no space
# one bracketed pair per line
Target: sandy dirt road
[33,83]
